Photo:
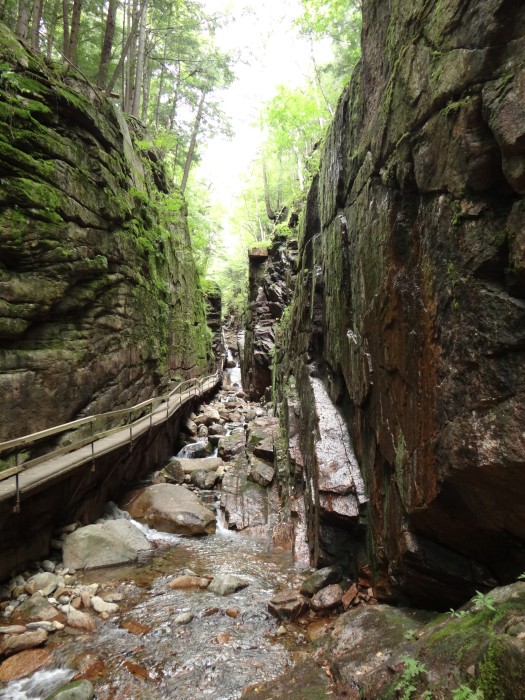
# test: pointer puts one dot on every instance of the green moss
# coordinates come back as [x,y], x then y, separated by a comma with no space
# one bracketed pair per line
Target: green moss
[490,679]
[454,107]
[399,464]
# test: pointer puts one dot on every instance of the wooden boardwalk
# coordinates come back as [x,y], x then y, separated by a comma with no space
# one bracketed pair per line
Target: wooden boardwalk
[35,476]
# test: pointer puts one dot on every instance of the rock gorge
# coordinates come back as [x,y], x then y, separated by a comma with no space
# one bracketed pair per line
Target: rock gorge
[399,351]
[100,303]
[408,309]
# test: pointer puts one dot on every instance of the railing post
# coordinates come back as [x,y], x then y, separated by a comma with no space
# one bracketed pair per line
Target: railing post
[130,434]
[16,507]
[151,416]
[168,407]
[93,445]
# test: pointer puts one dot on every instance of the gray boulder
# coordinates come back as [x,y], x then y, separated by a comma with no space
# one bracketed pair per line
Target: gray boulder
[224,584]
[104,544]
[319,579]
[170,508]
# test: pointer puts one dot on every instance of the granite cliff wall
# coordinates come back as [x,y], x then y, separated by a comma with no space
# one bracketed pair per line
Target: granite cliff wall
[410,297]
[99,297]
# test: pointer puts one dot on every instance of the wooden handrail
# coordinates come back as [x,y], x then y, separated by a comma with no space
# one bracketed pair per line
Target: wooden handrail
[196,384]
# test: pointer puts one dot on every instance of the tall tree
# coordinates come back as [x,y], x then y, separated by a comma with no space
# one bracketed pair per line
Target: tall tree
[193,140]
[127,43]
[22,22]
[107,43]
[35,26]
[65,28]
[141,55]
[74,32]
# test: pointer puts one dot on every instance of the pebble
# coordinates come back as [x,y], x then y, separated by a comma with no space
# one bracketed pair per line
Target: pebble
[99,605]
[48,566]
[184,618]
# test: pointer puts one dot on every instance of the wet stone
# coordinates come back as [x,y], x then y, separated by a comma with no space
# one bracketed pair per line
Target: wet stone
[188,581]
[14,643]
[77,690]
[25,664]
[184,618]
[319,579]
[288,605]
[261,472]
[327,598]
[225,584]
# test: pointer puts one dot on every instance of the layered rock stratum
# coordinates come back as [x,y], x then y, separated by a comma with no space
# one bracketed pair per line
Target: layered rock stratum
[100,303]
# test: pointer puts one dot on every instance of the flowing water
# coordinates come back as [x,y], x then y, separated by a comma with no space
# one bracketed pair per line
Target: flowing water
[142,652]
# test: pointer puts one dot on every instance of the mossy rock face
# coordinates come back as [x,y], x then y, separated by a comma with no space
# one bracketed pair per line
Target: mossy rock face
[409,295]
[377,652]
[96,267]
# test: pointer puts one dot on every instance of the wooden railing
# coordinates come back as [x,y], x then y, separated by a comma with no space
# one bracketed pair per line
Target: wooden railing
[126,418]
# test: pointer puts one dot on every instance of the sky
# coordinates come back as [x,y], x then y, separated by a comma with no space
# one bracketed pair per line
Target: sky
[274,54]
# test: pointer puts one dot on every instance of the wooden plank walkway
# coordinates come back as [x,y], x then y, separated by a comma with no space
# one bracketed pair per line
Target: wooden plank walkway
[36,477]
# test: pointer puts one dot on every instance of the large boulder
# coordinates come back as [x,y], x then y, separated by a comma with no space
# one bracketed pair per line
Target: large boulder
[170,508]
[104,544]
[207,464]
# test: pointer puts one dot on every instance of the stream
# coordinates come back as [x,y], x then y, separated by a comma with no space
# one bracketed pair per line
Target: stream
[145,651]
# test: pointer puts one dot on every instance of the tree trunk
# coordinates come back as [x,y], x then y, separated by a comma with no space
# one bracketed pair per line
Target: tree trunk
[107,44]
[175,104]
[161,88]
[125,49]
[146,89]
[141,53]
[35,27]
[2,10]
[65,20]
[75,32]
[52,28]
[22,22]
[131,62]
[193,141]
[269,211]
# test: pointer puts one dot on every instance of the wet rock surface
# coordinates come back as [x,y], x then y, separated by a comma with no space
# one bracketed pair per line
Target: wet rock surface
[170,508]
[408,304]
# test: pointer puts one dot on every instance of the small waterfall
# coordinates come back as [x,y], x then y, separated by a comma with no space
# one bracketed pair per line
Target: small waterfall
[113,512]
[194,449]
[40,685]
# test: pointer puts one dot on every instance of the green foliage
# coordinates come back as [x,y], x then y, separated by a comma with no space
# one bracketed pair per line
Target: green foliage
[406,685]
[410,635]
[458,613]
[204,222]
[340,20]
[465,693]
[484,601]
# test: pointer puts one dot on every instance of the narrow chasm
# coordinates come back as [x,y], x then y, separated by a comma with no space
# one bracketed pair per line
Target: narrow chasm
[262,431]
